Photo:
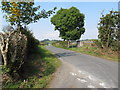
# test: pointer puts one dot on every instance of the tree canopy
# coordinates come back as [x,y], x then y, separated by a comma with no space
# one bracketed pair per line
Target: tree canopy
[109,31]
[69,22]
[23,13]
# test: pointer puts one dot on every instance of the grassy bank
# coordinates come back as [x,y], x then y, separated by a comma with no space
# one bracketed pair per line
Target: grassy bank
[110,55]
[38,70]
[94,51]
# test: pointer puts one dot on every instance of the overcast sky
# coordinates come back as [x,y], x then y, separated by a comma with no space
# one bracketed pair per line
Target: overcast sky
[43,29]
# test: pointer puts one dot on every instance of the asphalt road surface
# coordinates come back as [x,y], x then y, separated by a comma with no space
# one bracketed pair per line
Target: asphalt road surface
[83,71]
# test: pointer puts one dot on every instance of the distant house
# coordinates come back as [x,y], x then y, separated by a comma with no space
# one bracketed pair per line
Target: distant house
[83,43]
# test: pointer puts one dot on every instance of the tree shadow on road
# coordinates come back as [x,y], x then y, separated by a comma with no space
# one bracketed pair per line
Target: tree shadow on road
[66,54]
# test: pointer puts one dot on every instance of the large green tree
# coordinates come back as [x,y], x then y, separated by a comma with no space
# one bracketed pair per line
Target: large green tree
[23,13]
[69,22]
[109,31]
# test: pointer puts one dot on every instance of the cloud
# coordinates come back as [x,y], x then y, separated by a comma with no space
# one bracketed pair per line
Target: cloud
[48,35]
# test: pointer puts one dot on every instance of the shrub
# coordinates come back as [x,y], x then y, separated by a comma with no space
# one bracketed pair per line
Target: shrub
[13,51]
[32,43]
[15,48]
[61,44]
[115,46]
[98,43]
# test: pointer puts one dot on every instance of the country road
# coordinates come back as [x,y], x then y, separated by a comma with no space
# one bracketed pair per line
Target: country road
[83,71]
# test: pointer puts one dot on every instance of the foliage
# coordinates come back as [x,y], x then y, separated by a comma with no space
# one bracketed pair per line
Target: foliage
[47,42]
[32,42]
[98,43]
[37,72]
[12,63]
[109,31]
[93,50]
[69,22]
[13,43]
[13,51]
[61,44]
[23,13]
[8,28]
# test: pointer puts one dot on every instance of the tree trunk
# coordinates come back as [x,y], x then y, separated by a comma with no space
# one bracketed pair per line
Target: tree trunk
[4,46]
[5,59]
[68,43]
[108,41]
[19,28]
[1,58]
[78,43]
[10,44]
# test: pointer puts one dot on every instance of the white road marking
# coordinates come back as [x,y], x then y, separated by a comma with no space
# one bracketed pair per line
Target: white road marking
[90,77]
[81,80]
[81,72]
[73,74]
[102,84]
[78,79]
[91,86]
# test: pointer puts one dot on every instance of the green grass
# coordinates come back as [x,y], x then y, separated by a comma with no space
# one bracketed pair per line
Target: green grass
[94,51]
[38,70]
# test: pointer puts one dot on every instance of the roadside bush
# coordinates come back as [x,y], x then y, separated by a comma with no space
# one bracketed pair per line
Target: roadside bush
[115,46]
[32,43]
[32,49]
[16,48]
[61,44]
[98,43]
[13,51]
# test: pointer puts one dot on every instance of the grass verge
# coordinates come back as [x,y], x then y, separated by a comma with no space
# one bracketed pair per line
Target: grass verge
[95,51]
[38,71]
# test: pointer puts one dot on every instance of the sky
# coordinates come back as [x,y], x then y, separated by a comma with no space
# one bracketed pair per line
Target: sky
[43,29]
